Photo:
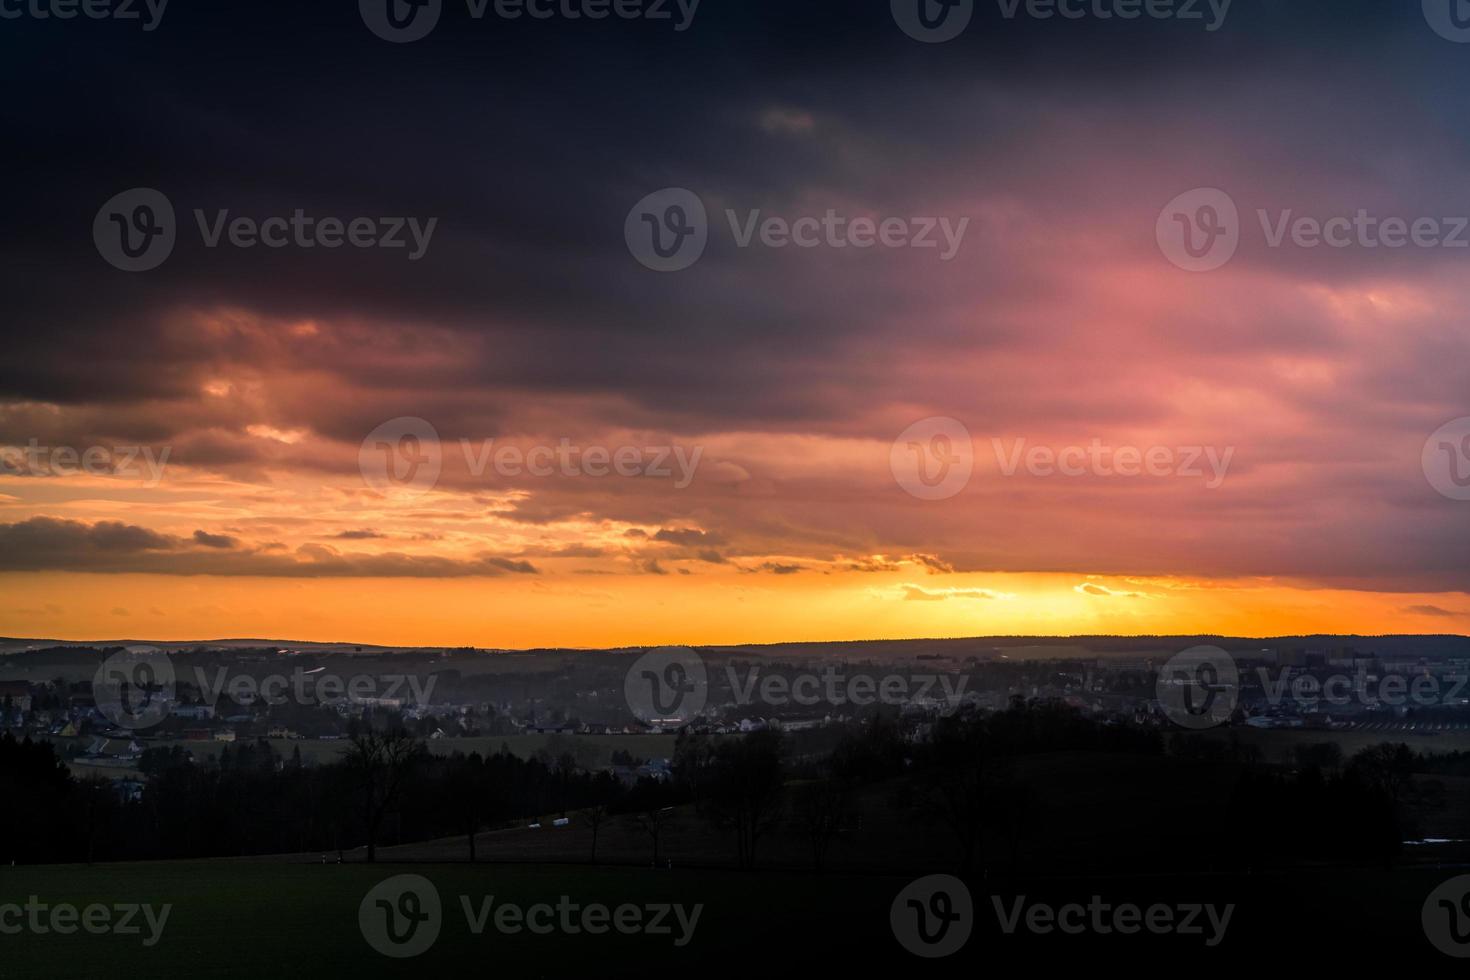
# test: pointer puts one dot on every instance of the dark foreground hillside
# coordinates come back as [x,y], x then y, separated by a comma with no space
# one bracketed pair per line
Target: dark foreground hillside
[274,920]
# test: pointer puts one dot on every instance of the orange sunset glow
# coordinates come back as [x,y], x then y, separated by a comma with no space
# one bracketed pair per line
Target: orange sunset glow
[1025,361]
[260,514]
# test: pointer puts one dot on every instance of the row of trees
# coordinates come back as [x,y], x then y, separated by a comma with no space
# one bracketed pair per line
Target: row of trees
[250,800]
[968,775]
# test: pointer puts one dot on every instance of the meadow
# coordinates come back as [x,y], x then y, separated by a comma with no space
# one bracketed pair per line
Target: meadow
[249,918]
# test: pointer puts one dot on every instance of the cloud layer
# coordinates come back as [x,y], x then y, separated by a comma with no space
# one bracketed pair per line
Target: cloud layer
[1059,323]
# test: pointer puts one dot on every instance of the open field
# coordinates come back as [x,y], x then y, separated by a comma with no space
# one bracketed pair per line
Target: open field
[250,919]
[1103,813]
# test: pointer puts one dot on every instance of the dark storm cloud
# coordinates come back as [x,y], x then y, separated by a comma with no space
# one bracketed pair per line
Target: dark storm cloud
[221,541]
[60,539]
[263,108]
[47,544]
[530,142]
[685,536]
[1430,610]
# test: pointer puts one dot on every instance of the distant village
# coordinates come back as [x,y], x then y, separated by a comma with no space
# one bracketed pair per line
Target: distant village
[577,699]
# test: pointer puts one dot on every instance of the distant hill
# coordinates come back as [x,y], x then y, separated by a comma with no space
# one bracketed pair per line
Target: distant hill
[1015,647]
[16,645]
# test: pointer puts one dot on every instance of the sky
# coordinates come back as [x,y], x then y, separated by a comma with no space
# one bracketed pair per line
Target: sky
[984,387]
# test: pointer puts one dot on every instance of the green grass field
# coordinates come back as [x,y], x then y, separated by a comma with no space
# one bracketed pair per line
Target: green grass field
[231,919]
[254,919]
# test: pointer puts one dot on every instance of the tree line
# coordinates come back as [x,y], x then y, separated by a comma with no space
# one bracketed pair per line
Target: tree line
[966,774]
